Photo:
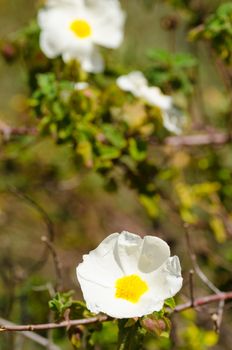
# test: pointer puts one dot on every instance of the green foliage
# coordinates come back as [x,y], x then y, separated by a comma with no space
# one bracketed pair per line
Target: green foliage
[60,303]
[104,130]
[173,72]
[218,30]
[130,335]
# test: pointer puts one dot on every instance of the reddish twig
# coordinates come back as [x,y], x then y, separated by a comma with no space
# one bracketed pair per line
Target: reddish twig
[204,301]
[36,338]
[46,326]
[211,138]
[8,131]
[179,308]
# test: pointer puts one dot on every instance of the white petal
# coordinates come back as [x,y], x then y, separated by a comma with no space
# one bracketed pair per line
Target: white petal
[154,96]
[173,120]
[127,251]
[93,63]
[58,3]
[49,47]
[101,299]
[154,253]
[108,22]
[166,281]
[81,85]
[106,245]
[89,57]
[100,266]
[54,36]
[134,82]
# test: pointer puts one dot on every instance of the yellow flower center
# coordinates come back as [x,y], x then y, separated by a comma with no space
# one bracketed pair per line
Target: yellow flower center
[81,28]
[130,288]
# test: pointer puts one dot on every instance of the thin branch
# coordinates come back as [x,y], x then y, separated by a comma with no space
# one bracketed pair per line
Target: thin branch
[204,301]
[211,138]
[57,263]
[46,326]
[49,239]
[217,317]
[38,208]
[196,267]
[32,336]
[7,131]
[86,321]
[191,273]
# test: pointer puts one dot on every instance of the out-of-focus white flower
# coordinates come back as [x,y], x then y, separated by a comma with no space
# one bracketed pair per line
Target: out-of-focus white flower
[136,83]
[82,85]
[127,276]
[73,28]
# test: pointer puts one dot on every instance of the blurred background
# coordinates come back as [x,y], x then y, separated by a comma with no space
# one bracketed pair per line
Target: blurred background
[43,191]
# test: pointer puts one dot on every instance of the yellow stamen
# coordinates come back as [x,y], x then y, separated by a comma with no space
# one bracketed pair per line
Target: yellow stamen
[130,288]
[81,28]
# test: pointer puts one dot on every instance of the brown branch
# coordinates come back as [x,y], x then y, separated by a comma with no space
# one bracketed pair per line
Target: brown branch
[204,301]
[217,317]
[179,308]
[211,138]
[46,326]
[7,131]
[56,261]
[191,273]
[36,338]
[49,239]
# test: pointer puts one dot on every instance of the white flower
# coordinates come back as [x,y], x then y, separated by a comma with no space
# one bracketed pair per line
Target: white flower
[127,276]
[81,85]
[136,83]
[73,28]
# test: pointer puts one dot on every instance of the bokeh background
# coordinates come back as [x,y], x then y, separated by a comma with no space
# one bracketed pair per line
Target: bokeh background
[35,173]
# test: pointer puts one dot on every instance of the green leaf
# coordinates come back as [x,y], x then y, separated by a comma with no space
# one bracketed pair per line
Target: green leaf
[129,338]
[108,152]
[137,149]
[61,302]
[170,302]
[151,204]
[84,148]
[114,136]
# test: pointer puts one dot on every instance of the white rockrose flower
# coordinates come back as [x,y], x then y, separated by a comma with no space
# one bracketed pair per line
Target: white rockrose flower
[73,28]
[136,83]
[129,276]
[82,85]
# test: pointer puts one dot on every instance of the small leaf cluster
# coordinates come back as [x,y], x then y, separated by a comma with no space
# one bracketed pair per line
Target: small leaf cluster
[173,72]
[217,29]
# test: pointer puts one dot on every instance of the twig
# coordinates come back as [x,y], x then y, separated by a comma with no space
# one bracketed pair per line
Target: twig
[103,318]
[32,336]
[8,131]
[204,301]
[46,326]
[217,318]
[49,239]
[57,263]
[211,138]
[196,267]
[40,210]
[191,273]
